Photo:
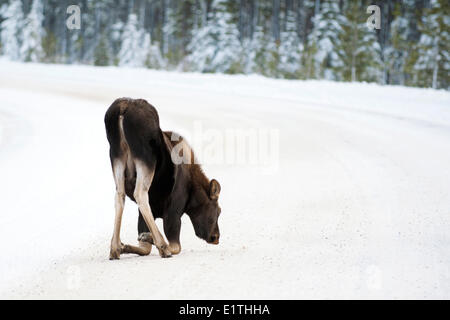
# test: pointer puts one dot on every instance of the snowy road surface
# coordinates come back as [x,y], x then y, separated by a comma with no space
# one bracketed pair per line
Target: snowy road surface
[357,205]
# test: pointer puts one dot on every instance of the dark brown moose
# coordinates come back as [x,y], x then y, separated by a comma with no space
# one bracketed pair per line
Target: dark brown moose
[143,169]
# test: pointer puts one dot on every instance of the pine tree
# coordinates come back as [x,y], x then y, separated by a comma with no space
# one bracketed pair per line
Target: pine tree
[131,52]
[256,52]
[433,63]
[396,54]
[87,39]
[272,58]
[327,31]
[229,51]
[290,49]
[49,45]
[33,33]
[358,48]
[101,54]
[11,29]
[169,30]
[215,47]
[180,16]
[115,40]
[3,8]
[268,37]
[201,48]
[152,54]
[310,66]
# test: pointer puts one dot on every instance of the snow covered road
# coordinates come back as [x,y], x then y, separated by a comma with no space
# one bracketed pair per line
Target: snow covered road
[357,206]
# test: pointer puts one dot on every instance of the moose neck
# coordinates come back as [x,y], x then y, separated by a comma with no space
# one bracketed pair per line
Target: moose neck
[199,188]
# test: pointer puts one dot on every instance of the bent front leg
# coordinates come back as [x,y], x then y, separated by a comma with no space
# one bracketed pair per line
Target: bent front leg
[145,245]
[144,249]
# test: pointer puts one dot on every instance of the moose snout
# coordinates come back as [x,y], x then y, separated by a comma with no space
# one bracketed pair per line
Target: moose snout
[214,239]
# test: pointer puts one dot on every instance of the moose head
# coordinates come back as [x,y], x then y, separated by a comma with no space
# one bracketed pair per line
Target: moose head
[204,212]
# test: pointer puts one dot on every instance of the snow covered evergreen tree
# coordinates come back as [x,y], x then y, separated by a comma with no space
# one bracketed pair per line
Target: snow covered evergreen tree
[215,47]
[256,51]
[358,47]
[115,40]
[272,58]
[433,63]
[229,51]
[102,52]
[310,67]
[290,49]
[152,54]
[201,48]
[326,32]
[137,49]
[396,54]
[132,53]
[180,18]
[11,30]
[240,36]
[86,38]
[3,8]
[33,33]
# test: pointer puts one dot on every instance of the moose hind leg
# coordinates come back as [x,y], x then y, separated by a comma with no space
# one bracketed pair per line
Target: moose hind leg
[119,178]
[144,178]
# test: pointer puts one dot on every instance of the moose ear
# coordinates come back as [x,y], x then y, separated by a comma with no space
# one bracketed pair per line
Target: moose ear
[214,189]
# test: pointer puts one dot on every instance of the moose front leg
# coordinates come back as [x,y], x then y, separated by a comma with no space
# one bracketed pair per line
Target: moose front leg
[144,249]
[145,245]
[172,227]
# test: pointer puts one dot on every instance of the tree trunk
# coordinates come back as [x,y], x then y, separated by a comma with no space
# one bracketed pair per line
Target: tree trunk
[276,20]
[436,68]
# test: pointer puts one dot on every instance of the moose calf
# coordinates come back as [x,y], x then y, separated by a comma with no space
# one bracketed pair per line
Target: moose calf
[141,159]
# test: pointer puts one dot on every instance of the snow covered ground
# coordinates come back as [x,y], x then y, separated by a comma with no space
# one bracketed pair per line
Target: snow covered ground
[357,204]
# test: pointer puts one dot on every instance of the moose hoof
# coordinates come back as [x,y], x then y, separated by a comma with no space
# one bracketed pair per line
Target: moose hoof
[175,248]
[164,251]
[114,254]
